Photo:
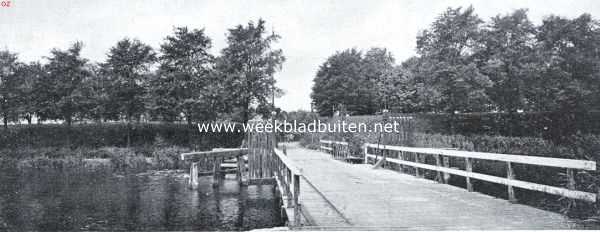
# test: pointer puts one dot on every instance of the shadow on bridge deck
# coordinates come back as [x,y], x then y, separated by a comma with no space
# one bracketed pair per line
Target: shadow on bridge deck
[364,198]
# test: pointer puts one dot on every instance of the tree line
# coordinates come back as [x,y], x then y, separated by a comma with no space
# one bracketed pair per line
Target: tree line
[464,64]
[181,80]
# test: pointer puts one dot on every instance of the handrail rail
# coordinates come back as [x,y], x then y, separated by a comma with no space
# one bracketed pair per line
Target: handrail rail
[287,161]
[215,152]
[510,181]
[287,175]
[533,160]
[335,142]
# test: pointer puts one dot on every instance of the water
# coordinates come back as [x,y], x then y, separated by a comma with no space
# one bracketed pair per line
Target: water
[158,200]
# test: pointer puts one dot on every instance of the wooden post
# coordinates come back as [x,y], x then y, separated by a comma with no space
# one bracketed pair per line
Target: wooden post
[241,167]
[571,179]
[365,152]
[446,161]
[217,171]
[418,170]
[295,200]
[288,182]
[401,157]
[469,168]
[511,176]
[438,162]
[194,175]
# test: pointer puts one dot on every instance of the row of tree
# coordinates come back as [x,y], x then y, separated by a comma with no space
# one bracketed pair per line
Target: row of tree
[467,65]
[180,81]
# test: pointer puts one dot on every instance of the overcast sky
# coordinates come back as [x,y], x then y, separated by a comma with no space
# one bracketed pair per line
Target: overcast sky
[311,30]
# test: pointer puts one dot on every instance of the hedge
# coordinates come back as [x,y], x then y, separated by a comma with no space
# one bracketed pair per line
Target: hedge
[113,135]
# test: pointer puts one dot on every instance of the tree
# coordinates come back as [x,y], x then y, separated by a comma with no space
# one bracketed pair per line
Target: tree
[340,83]
[8,86]
[184,82]
[128,67]
[448,46]
[567,75]
[248,65]
[509,53]
[28,75]
[66,73]
[378,69]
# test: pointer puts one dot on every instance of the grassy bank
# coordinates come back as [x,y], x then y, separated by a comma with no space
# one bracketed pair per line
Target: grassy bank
[112,159]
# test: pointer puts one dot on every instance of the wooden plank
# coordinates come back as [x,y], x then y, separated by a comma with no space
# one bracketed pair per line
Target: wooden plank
[534,160]
[326,148]
[380,199]
[580,195]
[334,142]
[261,181]
[379,163]
[227,152]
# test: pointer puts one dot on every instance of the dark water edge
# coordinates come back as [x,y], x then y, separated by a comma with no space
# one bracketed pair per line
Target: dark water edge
[52,200]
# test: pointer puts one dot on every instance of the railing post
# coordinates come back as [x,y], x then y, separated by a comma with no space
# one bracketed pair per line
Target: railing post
[241,167]
[194,175]
[571,179]
[438,162]
[296,200]
[288,182]
[469,168]
[365,152]
[446,162]
[418,170]
[401,157]
[511,176]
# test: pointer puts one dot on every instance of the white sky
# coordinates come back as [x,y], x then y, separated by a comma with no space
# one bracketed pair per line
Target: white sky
[311,30]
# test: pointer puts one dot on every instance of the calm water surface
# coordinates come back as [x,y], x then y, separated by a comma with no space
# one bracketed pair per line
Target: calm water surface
[158,200]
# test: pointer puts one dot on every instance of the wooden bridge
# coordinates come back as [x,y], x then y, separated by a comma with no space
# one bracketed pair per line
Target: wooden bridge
[326,189]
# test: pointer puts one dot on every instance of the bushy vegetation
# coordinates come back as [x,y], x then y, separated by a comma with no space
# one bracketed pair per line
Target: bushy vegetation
[465,64]
[108,159]
[114,135]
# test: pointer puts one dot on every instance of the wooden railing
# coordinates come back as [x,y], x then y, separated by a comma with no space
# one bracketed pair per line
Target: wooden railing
[216,157]
[339,150]
[287,176]
[442,168]
[264,165]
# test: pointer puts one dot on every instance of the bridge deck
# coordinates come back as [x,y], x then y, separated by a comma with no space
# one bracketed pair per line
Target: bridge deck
[385,199]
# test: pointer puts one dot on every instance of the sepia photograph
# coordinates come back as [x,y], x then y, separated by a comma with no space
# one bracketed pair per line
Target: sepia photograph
[312,115]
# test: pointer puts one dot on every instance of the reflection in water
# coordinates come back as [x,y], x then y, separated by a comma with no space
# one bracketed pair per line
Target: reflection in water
[62,200]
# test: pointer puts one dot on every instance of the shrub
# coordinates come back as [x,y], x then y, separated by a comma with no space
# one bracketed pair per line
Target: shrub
[113,135]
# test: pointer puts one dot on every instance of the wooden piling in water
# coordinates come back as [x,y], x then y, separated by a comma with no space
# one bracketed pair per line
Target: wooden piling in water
[193,182]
